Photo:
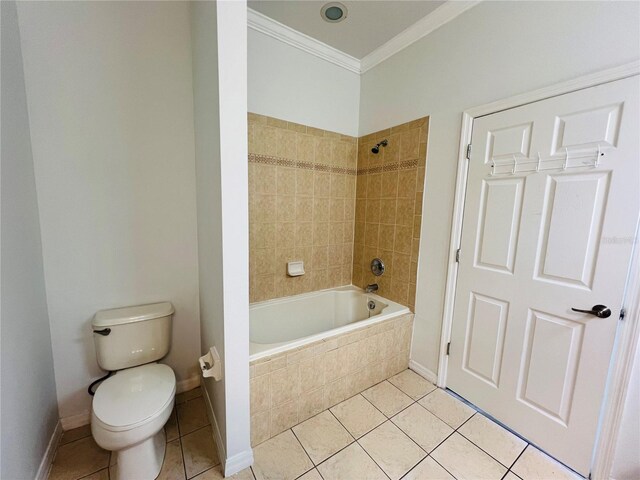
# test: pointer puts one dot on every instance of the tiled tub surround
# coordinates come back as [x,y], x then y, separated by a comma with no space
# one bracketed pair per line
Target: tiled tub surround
[389,209]
[302,184]
[295,385]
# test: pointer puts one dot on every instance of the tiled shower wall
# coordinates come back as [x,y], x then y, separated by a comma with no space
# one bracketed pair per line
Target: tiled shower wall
[389,209]
[302,183]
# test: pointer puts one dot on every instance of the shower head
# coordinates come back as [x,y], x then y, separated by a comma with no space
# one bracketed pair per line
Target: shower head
[376,148]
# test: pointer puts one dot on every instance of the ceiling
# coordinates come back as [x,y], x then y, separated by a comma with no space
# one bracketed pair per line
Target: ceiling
[369,24]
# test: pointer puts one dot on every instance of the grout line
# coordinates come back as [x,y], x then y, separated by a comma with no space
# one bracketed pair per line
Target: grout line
[184,464]
[194,431]
[333,454]
[443,467]
[488,453]
[512,473]
[370,430]
[303,449]
[369,455]
[440,443]
[91,473]
[518,458]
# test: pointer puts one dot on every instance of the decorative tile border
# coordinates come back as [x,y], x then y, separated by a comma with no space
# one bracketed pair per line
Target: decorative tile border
[390,167]
[285,162]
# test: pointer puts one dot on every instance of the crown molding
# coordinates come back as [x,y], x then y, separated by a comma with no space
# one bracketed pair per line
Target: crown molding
[263,24]
[441,15]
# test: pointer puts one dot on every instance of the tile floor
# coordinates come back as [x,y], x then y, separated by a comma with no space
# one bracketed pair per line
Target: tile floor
[191,452]
[403,427]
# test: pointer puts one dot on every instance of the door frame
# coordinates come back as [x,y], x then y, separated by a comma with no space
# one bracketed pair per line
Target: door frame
[628,331]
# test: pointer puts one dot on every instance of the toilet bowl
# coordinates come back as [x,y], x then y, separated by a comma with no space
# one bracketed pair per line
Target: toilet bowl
[128,414]
[130,408]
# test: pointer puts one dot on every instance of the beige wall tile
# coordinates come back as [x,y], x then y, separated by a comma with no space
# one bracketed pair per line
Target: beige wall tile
[322,184]
[287,145]
[391,230]
[388,210]
[283,417]
[286,181]
[264,180]
[407,183]
[306,148]
[260,428]
[296,127]
[286,208]
[285,385]
[265,208]
[324,374]
[310,404]
[304,209]
[373,210]
[304,182]
[265,140]
[304,235]
[260,394]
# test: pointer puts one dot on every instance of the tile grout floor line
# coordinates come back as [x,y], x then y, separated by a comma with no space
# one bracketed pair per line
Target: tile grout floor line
[389,419]
[355,440]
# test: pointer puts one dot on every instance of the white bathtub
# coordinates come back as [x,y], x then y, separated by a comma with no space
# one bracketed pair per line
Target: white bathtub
[285,323]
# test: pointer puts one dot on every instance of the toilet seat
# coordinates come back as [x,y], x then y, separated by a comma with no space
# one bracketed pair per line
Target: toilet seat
[134,397]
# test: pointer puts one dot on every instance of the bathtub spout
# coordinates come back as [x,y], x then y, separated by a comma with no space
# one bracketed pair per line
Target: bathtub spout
[372,288]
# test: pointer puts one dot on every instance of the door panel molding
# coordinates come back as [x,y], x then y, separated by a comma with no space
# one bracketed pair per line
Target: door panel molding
[628,332]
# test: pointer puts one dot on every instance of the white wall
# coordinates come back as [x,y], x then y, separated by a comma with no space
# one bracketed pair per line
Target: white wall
[111,109]
[220,94]
[207,148]
[287,83]
[29,408]
[493,51]
[234,173]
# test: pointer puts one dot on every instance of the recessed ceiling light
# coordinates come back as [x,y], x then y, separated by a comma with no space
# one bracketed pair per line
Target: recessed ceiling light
[333,12]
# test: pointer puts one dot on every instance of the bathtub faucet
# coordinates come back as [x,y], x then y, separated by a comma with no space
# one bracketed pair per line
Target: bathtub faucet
[372,288]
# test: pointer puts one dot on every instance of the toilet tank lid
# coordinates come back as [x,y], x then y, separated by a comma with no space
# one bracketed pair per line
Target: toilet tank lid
[139,313]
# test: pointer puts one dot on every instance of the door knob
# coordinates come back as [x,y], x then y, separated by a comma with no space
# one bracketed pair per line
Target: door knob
[600,311]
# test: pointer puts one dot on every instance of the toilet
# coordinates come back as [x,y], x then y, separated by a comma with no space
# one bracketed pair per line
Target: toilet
[131,407]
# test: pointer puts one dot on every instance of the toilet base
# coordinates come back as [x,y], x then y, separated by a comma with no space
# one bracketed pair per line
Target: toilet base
[142,461]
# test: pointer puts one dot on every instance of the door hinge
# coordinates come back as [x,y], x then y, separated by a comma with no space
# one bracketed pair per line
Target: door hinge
[623,312]
[469,152]
[448,348]
[458,256]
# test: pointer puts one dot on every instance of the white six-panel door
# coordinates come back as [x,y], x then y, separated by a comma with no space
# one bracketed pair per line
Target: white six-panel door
[549,227]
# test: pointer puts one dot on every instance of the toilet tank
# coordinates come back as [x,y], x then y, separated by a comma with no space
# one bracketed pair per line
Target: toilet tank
[132,336]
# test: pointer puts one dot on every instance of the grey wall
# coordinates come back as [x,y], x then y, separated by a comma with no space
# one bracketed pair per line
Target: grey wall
[29,409]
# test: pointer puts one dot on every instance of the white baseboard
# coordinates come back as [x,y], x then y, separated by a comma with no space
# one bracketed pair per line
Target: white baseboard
[75,421]
[217,437]
[49,453]
[188,384]
[423,371]
[239,461]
